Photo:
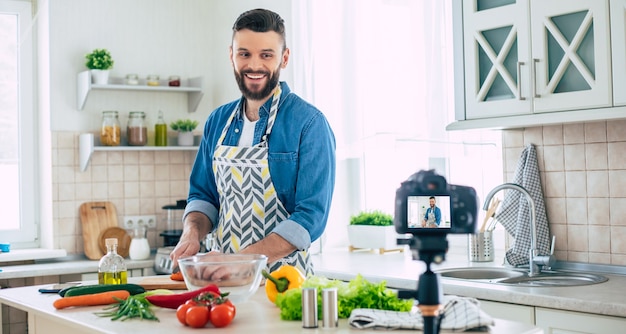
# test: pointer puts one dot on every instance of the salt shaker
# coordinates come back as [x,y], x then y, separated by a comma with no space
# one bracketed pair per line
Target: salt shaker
[330,316]
[309,308]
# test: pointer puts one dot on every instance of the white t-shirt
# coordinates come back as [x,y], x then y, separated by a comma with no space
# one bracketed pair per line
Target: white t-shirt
[247,133]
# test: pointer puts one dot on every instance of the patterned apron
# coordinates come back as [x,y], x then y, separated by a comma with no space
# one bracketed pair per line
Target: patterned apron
[249,205]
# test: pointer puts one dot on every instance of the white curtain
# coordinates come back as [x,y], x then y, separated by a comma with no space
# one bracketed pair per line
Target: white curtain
[381,71]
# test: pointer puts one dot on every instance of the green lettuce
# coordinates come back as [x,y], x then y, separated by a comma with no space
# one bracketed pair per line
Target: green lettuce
[357,293]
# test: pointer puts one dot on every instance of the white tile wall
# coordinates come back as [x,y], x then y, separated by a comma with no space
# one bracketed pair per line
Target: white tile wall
[583,172]
[136,182]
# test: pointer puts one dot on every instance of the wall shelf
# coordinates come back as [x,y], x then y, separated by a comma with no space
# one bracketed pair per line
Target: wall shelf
[192,87]
[86,147]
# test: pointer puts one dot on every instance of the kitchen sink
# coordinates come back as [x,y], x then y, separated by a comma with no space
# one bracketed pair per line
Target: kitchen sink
[518,277]
[480,273]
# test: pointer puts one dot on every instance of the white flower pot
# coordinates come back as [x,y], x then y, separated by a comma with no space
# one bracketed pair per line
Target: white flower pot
[373,237]
[100,77]
[185,138]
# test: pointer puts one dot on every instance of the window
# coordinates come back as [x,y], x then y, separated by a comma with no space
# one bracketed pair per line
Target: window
[17,127]
[382,73]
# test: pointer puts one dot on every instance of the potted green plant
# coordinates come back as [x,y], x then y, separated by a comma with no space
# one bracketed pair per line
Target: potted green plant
[372,230]
[185,129]
[99,62]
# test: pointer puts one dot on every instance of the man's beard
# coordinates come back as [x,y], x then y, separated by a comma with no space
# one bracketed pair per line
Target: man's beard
[263,93]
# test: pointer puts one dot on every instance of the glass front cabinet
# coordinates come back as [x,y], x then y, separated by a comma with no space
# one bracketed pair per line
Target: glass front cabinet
[535,56]
[618,48]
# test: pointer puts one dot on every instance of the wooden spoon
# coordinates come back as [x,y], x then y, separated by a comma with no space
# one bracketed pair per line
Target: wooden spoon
[490,212]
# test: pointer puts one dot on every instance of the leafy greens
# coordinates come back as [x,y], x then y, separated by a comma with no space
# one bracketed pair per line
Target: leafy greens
[357,293]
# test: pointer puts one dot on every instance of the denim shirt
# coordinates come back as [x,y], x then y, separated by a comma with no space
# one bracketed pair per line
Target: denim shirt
[301,163]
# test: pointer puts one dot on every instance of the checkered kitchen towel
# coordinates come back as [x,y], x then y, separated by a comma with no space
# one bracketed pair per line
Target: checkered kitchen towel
[514,213]
[459,314]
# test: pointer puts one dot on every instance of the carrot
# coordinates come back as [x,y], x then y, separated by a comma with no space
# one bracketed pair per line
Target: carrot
[177,276]
[102,298]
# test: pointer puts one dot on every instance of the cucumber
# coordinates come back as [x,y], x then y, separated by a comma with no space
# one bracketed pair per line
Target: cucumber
[133,289]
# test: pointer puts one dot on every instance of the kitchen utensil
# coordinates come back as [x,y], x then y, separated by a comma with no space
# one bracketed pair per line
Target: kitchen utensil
[161,282]
[490,212]
[481,247]
[162,262]
[96,217]
[123,240]
[173,222]
[237,274]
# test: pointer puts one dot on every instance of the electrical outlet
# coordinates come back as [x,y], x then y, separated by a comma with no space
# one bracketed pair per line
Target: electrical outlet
[131,222]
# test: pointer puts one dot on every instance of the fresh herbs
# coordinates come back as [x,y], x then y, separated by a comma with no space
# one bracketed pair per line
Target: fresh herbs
[184,125]
[358,293]
[99,59]
[133,307]
[376,218]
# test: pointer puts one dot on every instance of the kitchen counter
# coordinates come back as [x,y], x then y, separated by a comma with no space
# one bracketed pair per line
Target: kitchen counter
[256,315]
[75,265]
[400,271]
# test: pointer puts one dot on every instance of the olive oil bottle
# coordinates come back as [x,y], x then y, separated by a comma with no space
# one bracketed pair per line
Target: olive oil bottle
[112,269]
[160,131]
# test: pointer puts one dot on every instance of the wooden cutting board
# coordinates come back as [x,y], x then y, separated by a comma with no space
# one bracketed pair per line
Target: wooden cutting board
[95,218]
[161,282]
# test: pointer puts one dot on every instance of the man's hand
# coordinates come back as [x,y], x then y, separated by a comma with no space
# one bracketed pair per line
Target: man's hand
[196,227]
[273,246]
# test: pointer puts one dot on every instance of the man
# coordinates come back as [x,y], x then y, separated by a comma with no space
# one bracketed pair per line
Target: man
[432,218]
[264,175]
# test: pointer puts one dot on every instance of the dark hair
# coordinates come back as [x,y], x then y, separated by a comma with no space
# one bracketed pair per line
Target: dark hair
[261,20]
[431,197]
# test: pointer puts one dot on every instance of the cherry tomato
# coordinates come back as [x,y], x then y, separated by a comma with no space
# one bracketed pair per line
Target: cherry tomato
[232,306]
[197,316]
[221,315]
[181,313]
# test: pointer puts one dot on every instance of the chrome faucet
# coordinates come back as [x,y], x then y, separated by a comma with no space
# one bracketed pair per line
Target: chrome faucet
[534,260]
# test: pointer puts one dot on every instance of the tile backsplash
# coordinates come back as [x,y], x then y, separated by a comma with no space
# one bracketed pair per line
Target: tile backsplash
[136,182]
[583,174]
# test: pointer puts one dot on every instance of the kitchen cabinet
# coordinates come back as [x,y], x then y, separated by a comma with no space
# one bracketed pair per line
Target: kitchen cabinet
[534,62]
[513,312]
[193,89]
[618,48]
[564,322]
[86,147]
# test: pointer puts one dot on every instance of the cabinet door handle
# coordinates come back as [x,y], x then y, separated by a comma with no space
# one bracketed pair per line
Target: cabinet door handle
[535,61]
[519,80]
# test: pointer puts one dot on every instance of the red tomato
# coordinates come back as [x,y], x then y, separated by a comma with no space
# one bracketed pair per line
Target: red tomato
[197,316]
[222,314]
[232,306]
[181,313]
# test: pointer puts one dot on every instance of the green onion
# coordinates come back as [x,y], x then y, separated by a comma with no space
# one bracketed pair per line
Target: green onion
[134,307]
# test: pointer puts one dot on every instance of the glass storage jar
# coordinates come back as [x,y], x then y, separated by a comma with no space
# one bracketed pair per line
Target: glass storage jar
[174,81]
[110,133]
[136,130]
[153,80]
[132,79]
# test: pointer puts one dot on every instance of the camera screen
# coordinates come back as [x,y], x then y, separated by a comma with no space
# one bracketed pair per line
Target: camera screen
[428,211]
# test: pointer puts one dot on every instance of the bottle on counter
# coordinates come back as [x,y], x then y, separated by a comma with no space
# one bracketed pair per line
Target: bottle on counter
[136,130]
[112,269]
[160,131]
[139,246]
[110,132]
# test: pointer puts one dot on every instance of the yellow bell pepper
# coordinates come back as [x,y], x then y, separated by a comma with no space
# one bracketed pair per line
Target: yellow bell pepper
[284,278]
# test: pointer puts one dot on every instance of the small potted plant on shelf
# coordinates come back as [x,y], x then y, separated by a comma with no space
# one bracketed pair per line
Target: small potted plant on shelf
[99,62]
[185,129]
[372,230]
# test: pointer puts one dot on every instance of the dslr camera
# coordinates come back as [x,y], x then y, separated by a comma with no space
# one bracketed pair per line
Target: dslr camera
[426,205]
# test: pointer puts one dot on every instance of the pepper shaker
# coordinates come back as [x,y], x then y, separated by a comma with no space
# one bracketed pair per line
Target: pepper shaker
[309,308]
[330,316]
